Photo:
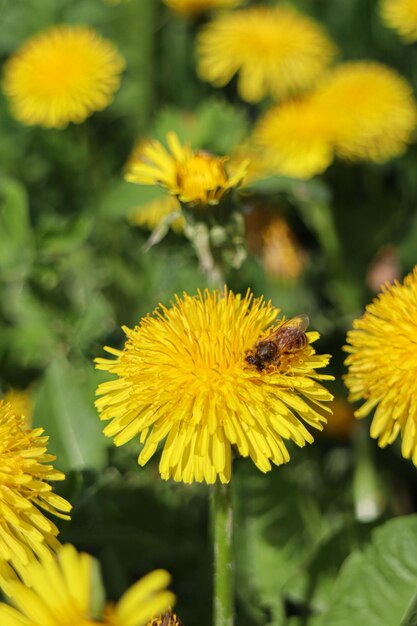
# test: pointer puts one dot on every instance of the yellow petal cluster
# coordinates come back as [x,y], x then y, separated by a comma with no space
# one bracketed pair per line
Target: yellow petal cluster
[374,108]
[62,75]
[361,111]
[182,378]
[61,592]
[196,178]
[296,138]
[25,467]
[382,365]
[274,51]
[401,15]
[193,8]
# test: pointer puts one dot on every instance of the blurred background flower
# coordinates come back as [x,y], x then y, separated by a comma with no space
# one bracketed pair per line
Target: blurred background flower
[401,15]
[373,110]
[275,51]
[297,138]
[62,75]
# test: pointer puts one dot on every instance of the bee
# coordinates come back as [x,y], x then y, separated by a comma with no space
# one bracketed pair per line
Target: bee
[290,337]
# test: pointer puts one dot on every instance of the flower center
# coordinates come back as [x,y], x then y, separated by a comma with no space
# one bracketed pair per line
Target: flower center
[201,173]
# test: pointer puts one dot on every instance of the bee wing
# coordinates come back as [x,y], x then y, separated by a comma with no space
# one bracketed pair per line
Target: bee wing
[299,321]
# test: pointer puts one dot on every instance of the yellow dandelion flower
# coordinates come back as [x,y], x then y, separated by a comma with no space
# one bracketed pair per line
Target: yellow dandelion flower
[21,401]
[374,108]
[26,533]
[62,593]
[151,214]
[382,364]
[274,50]
[401,15]
[194,177]
[197,7]
[62,75]
[297,138]
[183,377]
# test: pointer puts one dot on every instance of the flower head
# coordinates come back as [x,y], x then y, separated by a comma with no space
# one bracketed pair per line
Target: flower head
[197,7]
[401,15]
[62,75]
[183,377]
[194,177]
[297,138]
[374,109]
[62,592]
[25,468]
[382,364]
[274,50]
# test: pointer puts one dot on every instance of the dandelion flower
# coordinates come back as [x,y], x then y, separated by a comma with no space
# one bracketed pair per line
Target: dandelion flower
[194,177]
[151,214]
[63,590]
[274,50]
[401,15]
[183,377]
[374,107]
[382,364]
[62,75]
[26,533]
[197,7]
[297,138]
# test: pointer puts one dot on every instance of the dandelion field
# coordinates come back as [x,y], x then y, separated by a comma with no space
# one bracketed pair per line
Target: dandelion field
[182,183]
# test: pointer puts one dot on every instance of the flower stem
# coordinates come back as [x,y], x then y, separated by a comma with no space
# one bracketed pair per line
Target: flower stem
[222,520]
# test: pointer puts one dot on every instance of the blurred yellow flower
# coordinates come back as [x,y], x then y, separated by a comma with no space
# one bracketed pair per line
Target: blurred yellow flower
[297,138]
[25,469]
[151,214]
[282,255]
[183,376]
[374,109]
[274,50]
[21,402]
[62,592]
[401,15]
[382,364]
[194,177]
[197,7]
[62,75]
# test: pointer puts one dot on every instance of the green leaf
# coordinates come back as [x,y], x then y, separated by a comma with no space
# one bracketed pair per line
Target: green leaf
[377,587]
[70,421]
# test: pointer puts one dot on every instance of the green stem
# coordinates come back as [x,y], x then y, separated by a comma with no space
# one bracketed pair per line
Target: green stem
[222,519]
